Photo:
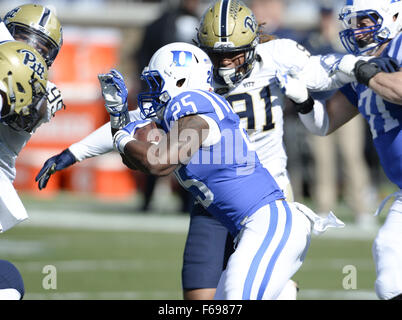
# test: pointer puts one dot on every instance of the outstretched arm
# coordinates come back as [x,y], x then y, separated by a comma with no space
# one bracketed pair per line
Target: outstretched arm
[319,117]
[175,148]
[95,144]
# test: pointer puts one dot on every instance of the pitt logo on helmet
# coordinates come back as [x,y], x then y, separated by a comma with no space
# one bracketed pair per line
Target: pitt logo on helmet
[36,66]
[251,23]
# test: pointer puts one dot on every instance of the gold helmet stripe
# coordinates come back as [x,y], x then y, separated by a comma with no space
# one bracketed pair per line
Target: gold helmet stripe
[224,18]
[45,17]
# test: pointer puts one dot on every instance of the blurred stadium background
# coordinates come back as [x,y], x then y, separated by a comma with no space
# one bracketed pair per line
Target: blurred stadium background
[91,223]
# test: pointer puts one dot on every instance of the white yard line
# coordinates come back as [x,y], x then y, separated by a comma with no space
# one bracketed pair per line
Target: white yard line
[150,223]
[95,265]
[107,222]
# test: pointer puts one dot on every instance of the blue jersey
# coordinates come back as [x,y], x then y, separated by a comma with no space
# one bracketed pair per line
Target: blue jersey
[383,117]
[227,177]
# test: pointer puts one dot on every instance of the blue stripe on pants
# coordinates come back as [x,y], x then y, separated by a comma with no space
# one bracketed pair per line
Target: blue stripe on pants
[274,258]
[260,253]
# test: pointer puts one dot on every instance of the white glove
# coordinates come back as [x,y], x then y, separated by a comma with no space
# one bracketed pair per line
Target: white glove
[115,93]
[292,87]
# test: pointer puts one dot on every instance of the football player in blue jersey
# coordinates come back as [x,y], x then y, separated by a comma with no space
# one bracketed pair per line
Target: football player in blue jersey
[208,150]
[372,36]
[244,69]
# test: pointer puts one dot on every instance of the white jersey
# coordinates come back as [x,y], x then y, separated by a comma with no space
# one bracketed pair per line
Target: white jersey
[259,102]
[12,141]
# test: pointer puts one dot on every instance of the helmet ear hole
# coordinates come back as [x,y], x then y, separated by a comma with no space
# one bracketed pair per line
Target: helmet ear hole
[180,82]
[20,87]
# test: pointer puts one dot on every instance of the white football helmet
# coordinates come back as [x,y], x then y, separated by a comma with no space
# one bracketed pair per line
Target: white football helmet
[174,68]
[386,24]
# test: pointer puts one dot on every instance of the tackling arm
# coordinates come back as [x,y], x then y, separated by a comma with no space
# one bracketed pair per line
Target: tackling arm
[388,86]
[175,148]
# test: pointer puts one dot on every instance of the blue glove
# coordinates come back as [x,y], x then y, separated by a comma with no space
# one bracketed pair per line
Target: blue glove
[53,164]
[386,64]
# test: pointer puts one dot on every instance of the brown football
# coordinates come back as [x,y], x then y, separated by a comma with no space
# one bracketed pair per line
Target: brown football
[148,133]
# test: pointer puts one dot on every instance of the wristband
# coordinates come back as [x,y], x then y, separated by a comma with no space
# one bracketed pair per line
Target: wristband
[120,139]
[306,106]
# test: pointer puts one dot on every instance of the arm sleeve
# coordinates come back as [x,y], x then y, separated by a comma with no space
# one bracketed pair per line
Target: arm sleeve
[316,121]
[316,73]
[98,142]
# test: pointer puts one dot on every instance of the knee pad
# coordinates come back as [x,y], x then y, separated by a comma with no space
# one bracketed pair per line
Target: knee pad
[10,280]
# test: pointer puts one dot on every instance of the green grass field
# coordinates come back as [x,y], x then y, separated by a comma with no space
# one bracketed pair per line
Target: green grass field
[103,250]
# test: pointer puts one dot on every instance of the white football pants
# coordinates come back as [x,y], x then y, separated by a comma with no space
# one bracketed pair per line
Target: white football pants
[271,248]
[12,211]
[387,253]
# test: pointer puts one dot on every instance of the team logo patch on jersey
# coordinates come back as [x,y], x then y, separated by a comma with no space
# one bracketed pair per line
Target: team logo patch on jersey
[32,63]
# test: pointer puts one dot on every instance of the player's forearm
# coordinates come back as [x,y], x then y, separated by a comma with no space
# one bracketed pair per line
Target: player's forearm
[388,86]
[148,158]
[97,143]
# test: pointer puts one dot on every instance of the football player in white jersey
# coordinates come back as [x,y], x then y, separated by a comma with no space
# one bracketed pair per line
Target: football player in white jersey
[372,28]
[23,106]
[251,89]
[39,27]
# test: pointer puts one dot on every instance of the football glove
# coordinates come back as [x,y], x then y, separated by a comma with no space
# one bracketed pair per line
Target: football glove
[292,87]
[364,71]
[114,92]
[296,90]
[53,164]
[346,65]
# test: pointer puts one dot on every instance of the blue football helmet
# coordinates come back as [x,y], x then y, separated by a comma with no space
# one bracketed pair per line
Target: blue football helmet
[174,68]
[364,39]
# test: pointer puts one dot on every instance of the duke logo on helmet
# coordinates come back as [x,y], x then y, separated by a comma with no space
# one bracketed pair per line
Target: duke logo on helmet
[182,58]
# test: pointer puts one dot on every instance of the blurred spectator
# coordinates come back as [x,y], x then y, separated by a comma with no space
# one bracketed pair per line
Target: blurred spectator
[270,15]
[175,24]
[355,179]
